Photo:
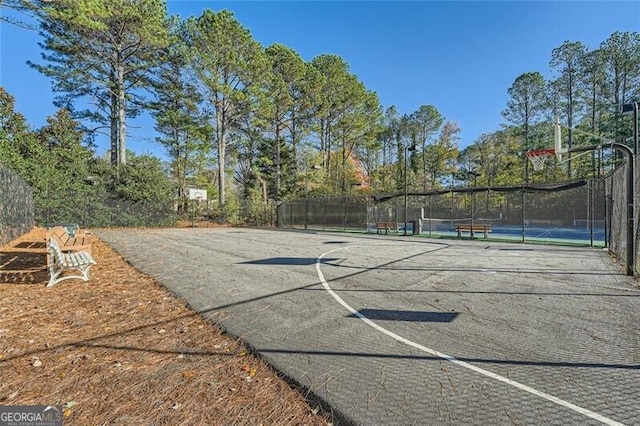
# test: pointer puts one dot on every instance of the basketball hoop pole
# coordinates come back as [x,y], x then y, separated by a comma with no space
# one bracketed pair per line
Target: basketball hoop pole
[628,153]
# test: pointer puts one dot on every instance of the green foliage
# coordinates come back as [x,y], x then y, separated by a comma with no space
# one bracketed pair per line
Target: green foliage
[289,92]
[143,180]
[347,117]
[185,132]
[253,210]
[70,185]
[494,158]
[102,51]
[440,157]
[526,104]
[620,55]
[229,65]
[16,139]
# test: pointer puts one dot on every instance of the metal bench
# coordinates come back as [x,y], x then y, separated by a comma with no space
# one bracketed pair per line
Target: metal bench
[59,263]
[387,226]
[472,228]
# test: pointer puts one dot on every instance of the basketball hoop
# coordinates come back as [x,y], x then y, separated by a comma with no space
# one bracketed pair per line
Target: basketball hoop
[539,156]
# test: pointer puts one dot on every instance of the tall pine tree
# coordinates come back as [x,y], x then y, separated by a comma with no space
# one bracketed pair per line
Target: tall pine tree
[99,55]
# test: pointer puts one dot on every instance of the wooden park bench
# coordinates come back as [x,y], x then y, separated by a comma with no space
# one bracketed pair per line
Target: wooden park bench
[58,263]
[387,226]
[476,227]
[79,241]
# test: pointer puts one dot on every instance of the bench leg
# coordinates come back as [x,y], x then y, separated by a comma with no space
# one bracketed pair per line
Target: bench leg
[54,279]
[84,275]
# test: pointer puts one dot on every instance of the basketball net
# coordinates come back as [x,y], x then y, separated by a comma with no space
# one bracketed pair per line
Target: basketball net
[539,156]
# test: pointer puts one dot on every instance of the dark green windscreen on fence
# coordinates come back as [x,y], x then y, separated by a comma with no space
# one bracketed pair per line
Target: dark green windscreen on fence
[572,213]
[16,206]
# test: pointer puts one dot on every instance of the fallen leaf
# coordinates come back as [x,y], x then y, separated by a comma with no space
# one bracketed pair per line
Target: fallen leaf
[250,371]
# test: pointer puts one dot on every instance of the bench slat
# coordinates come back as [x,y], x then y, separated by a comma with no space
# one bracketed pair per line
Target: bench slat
[79,242]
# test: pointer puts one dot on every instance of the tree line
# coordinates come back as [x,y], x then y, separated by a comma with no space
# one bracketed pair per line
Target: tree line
[256,123]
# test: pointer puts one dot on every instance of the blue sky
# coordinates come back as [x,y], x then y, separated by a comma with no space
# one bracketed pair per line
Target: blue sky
[459,56]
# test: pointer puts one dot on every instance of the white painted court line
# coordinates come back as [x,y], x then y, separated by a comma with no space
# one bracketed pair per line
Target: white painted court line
[452,359]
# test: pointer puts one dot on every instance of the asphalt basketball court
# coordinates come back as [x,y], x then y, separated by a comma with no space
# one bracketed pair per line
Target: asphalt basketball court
[411,330]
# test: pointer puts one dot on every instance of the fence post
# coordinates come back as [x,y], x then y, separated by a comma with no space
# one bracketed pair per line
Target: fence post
[523,213]
[590,209]
[344,211]
[430,213]
[324,216]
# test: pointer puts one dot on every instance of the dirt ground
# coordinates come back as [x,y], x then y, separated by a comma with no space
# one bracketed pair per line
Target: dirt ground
[120,349]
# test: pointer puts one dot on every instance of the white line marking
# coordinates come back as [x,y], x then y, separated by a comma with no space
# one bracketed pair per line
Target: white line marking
[452,359]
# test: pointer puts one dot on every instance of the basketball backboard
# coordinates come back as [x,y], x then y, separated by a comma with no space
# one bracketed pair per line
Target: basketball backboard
[197,194]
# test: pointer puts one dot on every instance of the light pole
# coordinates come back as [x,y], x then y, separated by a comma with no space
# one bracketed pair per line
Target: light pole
[306,190]
[473,196]
[628,108]
[408,148]
[306,195]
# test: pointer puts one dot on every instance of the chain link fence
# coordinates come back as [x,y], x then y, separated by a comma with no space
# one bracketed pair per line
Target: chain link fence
[568,213]
[590,212]
[17,208]
[616,201]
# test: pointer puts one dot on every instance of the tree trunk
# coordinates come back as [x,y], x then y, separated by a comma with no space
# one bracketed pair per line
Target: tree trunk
[122,145]
[294,137]
[221,135]
[278,160]
[570,122]
[424,166]
[113,129]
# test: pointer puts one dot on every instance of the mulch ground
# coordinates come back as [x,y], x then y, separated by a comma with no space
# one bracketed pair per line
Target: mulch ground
[120,349]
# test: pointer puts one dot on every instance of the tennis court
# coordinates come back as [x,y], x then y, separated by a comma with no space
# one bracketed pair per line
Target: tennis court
[416,330]
[578,234]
